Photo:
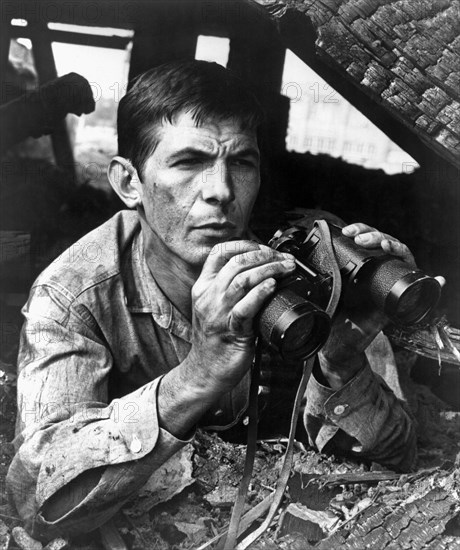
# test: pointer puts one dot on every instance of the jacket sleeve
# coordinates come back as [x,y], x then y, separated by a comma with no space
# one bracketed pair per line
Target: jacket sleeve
[364,419]
[67,432]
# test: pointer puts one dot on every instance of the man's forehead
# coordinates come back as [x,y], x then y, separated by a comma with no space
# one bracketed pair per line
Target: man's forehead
[211,132]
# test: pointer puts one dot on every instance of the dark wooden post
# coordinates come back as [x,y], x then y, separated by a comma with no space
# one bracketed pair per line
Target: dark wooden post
[260,63]
[46,70]
[4,52]
[165,40]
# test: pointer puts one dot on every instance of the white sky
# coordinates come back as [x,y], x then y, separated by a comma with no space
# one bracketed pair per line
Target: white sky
[213,48]
[104,68]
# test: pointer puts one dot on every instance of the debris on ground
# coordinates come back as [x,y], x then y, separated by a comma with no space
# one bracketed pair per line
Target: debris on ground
[24,540]
[331,503]
[169,480]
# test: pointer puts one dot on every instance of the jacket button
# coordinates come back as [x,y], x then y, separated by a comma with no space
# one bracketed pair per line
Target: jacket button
[135,445]
[340,409]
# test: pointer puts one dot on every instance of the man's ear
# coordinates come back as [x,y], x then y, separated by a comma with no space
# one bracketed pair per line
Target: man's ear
[125,181]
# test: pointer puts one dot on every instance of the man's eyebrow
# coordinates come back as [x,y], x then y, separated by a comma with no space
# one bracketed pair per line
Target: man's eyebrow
[246,152]
[190,151]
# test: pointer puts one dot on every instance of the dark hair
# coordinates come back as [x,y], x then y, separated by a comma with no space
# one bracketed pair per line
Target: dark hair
[160,94]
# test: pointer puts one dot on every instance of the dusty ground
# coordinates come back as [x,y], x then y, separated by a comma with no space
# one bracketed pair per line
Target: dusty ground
[347,507]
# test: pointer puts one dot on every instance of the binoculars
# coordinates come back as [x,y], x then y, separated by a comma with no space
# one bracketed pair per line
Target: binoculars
[294,321]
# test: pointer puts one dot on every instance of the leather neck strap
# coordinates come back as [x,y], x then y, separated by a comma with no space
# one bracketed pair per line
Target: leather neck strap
[230,542]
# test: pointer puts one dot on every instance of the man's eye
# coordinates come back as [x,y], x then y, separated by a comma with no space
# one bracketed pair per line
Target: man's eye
[244,162]
[188,162]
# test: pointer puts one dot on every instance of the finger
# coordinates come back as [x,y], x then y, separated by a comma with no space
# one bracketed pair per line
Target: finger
[368,237]
[356,228]
[243,262]
[247,308]
[371,239]
[221,253]
[244,281]
[395,248]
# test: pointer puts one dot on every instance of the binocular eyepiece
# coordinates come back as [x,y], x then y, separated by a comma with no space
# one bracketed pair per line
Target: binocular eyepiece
[294,321]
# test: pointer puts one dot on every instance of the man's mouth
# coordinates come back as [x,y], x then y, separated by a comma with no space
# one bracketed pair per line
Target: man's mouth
[218,226]
[217,230]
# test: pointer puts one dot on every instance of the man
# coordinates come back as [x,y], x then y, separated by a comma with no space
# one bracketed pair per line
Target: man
[146,324]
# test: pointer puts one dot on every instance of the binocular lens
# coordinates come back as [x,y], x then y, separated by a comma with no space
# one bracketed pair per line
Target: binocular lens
[293,326]
[410,301]
[297,336]
[405,295]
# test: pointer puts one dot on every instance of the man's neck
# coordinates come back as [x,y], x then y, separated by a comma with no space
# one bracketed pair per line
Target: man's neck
[174,276]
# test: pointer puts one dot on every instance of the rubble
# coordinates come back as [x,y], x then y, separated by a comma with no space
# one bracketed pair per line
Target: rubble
[24,540]
[169,480]
[330,502]
[5,536]
[58,544]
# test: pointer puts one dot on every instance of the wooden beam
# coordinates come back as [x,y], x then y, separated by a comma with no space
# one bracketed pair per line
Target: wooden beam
[46,70]
[79,38]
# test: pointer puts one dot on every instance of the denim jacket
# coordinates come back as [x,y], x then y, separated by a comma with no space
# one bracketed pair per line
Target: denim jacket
[97,338]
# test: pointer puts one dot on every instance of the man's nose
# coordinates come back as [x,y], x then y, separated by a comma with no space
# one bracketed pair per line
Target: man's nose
[217,184]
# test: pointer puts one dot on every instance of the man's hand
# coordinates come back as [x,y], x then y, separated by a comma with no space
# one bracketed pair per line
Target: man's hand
[368,237]
[236,279]
[354,329]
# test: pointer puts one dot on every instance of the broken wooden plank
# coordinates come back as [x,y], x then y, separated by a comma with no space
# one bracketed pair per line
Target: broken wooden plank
[314,524]
[111,538]
[440,342]
[78,38]
[415,519]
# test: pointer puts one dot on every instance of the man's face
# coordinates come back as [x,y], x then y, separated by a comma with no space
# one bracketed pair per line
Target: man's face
[199,186]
